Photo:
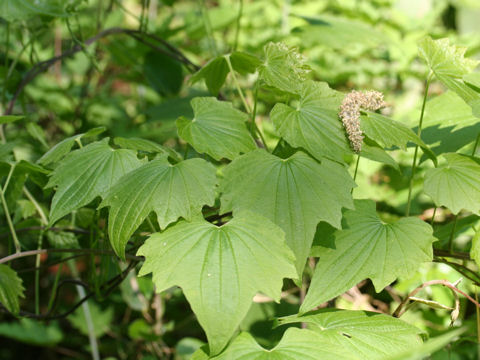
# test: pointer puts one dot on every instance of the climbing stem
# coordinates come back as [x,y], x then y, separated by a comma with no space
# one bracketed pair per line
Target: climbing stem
[419,132]
[236,83]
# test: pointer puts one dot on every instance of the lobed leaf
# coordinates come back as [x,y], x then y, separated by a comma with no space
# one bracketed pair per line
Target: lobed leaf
[366,247]
[220,269]
[87,173]
[314,124]
[455,184]
[295,193]
[171,191]
[11,289]
[217,129]
[360,334]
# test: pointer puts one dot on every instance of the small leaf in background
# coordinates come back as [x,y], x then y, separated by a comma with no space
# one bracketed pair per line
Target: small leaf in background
[449,65]
[455,184]
[214,73]
[62,240]
[11,289]
[295,193]
[220,269]
[87,173]
[296,344]
[139,329]
[361,334]
[163,73]
[283,68]
[32,332]
[101,319]
[146,146]
[314,124]
[171,191]
[61,149]
[5,119]
[216,70]
[217,129]
[367,247]
[186,347]
[37,133]
[475,250]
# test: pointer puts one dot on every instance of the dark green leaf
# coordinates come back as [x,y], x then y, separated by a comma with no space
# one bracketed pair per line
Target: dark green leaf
[11,289]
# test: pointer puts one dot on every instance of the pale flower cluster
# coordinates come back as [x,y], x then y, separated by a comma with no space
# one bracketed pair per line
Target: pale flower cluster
[350,113]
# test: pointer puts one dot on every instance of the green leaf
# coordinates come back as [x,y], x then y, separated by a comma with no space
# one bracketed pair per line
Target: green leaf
[220,269]
[419,352]
[360,334]
[63,147]
[32,332]
[11,289]
[445,59]
[163,73]
[214,73]
[296,344]
[87,173]
[5,119]
[295,193]
[14,10]
[376,153]
[283,68]
[217,129]
[455,184]
[216,70]
[314,124]
[449,65]
[368,248]
[37,133]
[171,191]
[101,319]
[147,146]
[475,250]
[388,132]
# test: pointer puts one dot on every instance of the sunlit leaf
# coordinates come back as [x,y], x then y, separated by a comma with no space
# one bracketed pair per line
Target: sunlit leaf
[171,191]
[360,334]
[295,193]
[220,269]
[11,289]
[217,129]
[455,184]
[87,173]
[367,247]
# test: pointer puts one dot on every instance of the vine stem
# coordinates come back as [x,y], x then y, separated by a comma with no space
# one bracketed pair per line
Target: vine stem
[18,247]
[419,132]
[237,29]
[356,170]
[477,312]
[208,27]
[398,311]
[237,85]
[452,234]
[79,251]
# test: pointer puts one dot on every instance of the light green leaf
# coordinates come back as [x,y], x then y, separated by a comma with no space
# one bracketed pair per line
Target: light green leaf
[220,269]
[5,119]
[295,193]
[456,184]
[32,332]
[314,124]
[445,59]
[283,68]
[217,129]
[147,146]
[367,248]
[388,132]
[419,352]
[216,70]
[171,191]
[214,73]
[296,344]
[101,319]
[475,250]
[13,10]
[37,133]
[376,153]
[11,289]
[87,173]
[63,147]
[360,334]
[449,65]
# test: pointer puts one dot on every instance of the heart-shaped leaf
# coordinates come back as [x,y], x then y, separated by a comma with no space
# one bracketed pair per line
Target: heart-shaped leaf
[220,269]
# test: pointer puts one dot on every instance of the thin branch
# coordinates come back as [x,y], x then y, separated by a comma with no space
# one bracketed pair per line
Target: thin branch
[138,35]
[83,251]
[456,254]
[398,311]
